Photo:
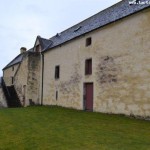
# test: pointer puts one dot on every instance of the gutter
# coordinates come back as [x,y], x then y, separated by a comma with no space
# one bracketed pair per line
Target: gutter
[42,78]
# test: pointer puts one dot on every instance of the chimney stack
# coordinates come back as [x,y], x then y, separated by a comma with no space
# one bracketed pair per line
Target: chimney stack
[22,50]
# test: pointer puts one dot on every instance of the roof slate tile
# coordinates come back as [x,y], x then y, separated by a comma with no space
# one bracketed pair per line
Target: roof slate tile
[109,15]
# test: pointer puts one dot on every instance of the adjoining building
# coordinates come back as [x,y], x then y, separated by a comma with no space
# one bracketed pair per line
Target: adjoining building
[21,77]
[101,64]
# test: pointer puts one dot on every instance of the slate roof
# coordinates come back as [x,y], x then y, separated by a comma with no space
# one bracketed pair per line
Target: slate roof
[107,16]
[16,60]
[44,42]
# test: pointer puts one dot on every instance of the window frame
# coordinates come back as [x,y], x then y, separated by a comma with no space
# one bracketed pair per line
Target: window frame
[88,66]
[12,68]
[88,41]
[12,80]
[56,95]
[57,72]
[37,48]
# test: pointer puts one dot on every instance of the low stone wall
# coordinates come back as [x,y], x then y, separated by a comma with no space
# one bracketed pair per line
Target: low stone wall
[2,99]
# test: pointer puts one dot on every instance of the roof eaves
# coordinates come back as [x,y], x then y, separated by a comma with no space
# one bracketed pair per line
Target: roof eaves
[102,19]
[12,64]
[8,66]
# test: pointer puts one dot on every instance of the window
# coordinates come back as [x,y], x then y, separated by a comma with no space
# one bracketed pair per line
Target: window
[77,28]
[12,80]
[88,41]
[57,72]
[13,68]
[56,95]
[88,67]
[37,49]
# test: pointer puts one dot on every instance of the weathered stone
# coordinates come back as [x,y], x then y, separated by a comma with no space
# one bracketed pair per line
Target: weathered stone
[121,71]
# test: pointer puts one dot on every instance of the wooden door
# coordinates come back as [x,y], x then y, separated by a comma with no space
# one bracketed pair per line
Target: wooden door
[88,87]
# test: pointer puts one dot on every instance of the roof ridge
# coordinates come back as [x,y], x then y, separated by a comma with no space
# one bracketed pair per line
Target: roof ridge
[92,16]
[113,13]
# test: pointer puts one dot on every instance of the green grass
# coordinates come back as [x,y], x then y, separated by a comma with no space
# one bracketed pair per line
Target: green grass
[54,128]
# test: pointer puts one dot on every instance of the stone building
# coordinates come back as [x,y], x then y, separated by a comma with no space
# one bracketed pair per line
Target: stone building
[2,96]
[100,64]
[22,74]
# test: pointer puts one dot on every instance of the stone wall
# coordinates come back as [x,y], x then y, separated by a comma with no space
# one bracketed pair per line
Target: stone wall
[27,79]
[33,80]
[121,72]
[8,73]
[21,80]
[2,99]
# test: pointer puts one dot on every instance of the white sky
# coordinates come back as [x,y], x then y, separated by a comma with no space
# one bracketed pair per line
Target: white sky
[22,20]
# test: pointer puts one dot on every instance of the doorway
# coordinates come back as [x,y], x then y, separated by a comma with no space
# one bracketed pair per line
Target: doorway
[24,94]
[88,96]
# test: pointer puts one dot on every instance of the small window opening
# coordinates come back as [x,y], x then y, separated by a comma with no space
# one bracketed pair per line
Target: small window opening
[57,71]
[88,67]
[56,95]
[13,68]
[88,41]
[12,80]
[37,49]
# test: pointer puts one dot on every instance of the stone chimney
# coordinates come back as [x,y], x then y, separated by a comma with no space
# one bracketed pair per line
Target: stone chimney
[22,50]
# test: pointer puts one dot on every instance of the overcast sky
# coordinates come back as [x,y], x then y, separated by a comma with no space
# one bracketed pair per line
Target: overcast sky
[22,20]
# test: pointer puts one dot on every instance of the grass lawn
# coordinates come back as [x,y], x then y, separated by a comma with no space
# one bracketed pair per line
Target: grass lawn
[54,128]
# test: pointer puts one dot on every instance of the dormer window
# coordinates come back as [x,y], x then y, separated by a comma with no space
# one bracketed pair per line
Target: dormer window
[37,48]
[77,28]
